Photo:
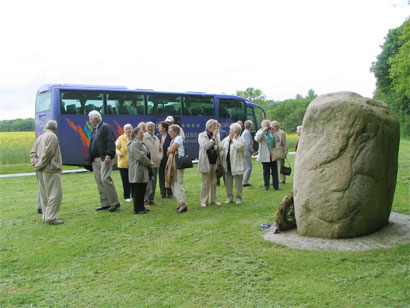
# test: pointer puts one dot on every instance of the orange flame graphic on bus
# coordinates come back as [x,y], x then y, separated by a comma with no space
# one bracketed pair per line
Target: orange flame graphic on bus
[84,139]
[119,130]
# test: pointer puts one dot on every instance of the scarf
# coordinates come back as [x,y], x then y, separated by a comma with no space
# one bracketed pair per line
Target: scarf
[170,170]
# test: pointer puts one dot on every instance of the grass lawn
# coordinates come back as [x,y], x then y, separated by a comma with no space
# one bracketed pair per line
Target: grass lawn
[207,257]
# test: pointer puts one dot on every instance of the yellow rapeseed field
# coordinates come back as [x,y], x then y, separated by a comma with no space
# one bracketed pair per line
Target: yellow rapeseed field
[15,147]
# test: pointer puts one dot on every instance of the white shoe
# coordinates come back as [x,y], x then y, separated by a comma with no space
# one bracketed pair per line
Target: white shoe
[238,201]
[203,204]
[216,203]
[128,200]
[228,201]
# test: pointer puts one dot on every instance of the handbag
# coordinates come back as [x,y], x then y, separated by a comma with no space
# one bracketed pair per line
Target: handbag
[285,170]
[220,171]
[276,153]
[183,162]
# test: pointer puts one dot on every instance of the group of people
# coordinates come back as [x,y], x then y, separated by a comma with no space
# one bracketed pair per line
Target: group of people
[142,157]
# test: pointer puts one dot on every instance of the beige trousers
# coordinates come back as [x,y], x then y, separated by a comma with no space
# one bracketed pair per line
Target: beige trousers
[208,187]
[105,184]
[229,186]
[51,191]
[178,187]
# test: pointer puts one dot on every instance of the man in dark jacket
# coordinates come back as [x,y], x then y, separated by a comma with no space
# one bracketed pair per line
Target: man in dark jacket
[101,156]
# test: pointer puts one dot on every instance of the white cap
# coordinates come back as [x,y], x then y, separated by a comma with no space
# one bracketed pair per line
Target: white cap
[169,119]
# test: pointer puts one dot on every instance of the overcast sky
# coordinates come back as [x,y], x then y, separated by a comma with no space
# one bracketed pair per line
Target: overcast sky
[281,47]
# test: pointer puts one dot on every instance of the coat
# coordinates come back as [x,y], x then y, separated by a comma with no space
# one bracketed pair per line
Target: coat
[45,153]
[121,146]
[237,155]
[138,162]
[206,144]
[154,148]
[248,143]
[282,142]
[105,141]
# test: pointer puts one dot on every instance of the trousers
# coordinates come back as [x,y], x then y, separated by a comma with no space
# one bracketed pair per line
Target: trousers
[51,194]
[105,184]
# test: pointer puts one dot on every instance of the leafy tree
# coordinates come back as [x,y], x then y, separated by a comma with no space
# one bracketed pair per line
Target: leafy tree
[17,125]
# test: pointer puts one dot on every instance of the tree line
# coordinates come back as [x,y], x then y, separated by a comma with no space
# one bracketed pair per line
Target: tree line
[17,125]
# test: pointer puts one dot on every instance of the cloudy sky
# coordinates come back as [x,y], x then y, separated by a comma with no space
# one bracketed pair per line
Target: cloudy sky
[281,47]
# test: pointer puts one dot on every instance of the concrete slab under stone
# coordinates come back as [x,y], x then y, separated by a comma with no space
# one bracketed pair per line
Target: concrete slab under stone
[396,232]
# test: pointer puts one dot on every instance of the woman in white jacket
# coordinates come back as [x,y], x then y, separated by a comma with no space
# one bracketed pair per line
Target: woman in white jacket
[266,142]
[233,154]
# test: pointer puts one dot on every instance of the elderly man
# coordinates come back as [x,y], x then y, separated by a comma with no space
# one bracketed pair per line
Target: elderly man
[45,157]
[101,155]
[283,144]
[154,146]
[170,120]
[248,152]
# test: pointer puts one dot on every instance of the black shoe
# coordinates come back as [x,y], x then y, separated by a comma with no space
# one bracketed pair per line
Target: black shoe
[278,188]
[141,212]
[283,182]
[102,208]
[170,197]
[246,185]
[151,202]
[114,208]
[55,222]
[183,210]
[39,211]
[162,197]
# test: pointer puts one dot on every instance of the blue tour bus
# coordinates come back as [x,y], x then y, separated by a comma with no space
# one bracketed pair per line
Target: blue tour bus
[70,104]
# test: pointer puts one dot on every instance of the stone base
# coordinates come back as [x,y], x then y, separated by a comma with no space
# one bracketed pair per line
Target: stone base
[397,231]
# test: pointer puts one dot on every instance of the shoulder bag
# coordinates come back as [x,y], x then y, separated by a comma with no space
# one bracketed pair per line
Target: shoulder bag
[285,170]
[183,162]
[276,153]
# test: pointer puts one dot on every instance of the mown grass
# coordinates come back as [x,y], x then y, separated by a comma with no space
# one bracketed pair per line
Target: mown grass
[207,257]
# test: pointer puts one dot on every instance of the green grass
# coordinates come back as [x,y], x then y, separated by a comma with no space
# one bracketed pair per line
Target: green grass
[207,257]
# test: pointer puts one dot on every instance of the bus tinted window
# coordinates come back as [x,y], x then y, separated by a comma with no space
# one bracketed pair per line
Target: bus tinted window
[81,102]
[164,104]
[234,109]
[198,106]
[43,101]
[125,103]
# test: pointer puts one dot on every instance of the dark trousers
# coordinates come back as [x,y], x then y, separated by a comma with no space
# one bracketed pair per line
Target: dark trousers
[161,175]
[267,168]
[138,192]
[125,183]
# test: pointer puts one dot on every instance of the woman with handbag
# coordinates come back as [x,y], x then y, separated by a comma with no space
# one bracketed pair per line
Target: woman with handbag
[139,163]
[174,178]
[122,159]
[208,162]
[233,154]
[267,142]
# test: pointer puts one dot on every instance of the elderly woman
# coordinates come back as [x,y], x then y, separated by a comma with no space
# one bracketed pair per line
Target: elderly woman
[174,177]
[208,157]
[122,159]
[138,172]
[266,142]
[233,148]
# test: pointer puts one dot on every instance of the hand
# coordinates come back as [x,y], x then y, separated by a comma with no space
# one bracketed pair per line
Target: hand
[107,160]
[121,155]
[215,133]
[235,136]
[151,164]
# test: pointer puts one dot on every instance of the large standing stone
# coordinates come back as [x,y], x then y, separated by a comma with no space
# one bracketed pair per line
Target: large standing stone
[346,166]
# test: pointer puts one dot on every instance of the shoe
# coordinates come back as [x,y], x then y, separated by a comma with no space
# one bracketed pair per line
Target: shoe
[183,210]
[147,207]
[278,189]
[39,211]
[162,197]
[147,210]
[140,212]
[114,208]
[216,203]
[128,200]
[203,204]
[55,222]
[102,208]
[283,182]
[266,188]
[238,201]
[246,185]
[151,202]
[170,197]
[228,201]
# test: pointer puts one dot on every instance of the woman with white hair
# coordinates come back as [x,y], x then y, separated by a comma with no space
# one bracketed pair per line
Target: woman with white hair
[266,142]
[122,159]
[233,148]
[208,157]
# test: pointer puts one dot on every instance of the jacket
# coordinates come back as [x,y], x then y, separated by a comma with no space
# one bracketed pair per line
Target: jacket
[237,155]
[138,162]
[206,144]
[248,143]
[105,141]
[154,148]
[46,154]
[282,141]
[165,146]
[121,146]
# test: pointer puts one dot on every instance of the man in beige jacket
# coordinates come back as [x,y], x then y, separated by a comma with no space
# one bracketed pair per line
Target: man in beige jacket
[45,157]
[154,146]
[283,144]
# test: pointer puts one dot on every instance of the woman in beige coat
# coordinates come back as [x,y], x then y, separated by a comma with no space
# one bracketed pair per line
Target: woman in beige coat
[139,163]
[233,154]
[208,158]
